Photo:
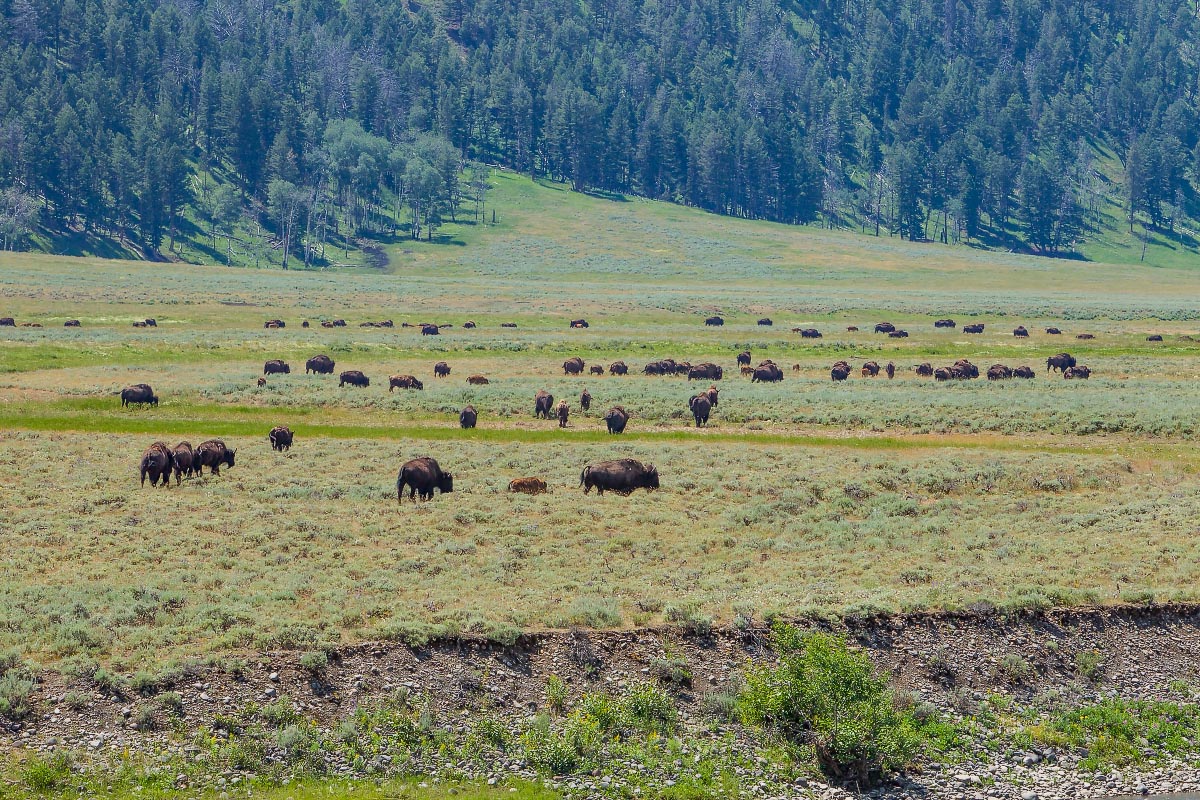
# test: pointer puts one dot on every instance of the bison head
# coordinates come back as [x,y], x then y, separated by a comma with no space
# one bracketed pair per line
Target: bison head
[650,478]
[446,484]
[228,459]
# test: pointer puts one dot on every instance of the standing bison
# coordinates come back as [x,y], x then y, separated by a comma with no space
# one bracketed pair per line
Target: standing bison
[543,403]
[468,417]
[870,369]
[1023,372]
[840,371]
[924,370]
[280,438]
[713,394]
[884,327]
[618,368]
[422,476]
[579,323]
[212,454]
[354,378]
[585,400]
[1020,332]
[319,365]
[562,411]
[714,321]
[477,380]
[573,366]
[139,393]
[975,328]
[767,372]
[404,382]
[621,476]
[157,463]
[998,372]
[596,369]
[701,407]
[1060,362]
[183,460]
[890,369]
[743,358]
[276,367]
[430,330]
[706,372]
[766,322]
[1054,331]
[810,333]
[944,323]
[441,370]
[616,419]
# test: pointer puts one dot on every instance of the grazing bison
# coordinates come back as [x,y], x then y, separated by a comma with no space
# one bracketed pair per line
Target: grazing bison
[942,374]
[747,370]
[354,378]
[743,358]
[618,368]
[585,400]
[767,372]
[508,324]
[153,323]
[898,334]
[271,323]
[262,381]
[573,366]
[441,369]
[596,369]
[706,372]
[422,476]
[1060,362]
[616,419]
[140,393]
[212,454]
[1154,337]
[870,369]
[964,370]
[1023,372]
[1081,372]
[527,485]
[157,463]
[7,322]
[1053,331]
[665,366]
[766,321]
[139,324]
[714,321]
[890,369]
[326,324]
[1085,336]
[621,476]
[1020,332]
[183,460]
[468,417]
[280,438]
[319,365]
[276,366]
[974,328]
[404,382]
[884,327]
[71,323]
[469,324]
[998,372]
[924,370]
[304,324]
[579,323]
[477,380]
[562,411]
[944,323]
[701,407]
[840,371]
[810,333]
[430,330]
[543,403]
[851,329]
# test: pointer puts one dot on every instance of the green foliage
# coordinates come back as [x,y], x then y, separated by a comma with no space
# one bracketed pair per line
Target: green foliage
[1118,732]
[689,617]
[45,774]
[16,694]
[1090,665]
[827,696]
[315,662]
[556,694]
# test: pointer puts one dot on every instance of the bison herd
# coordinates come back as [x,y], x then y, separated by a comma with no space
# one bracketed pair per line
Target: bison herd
[159,460]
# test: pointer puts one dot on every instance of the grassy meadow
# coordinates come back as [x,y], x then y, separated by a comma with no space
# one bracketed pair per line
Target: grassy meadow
[800,497]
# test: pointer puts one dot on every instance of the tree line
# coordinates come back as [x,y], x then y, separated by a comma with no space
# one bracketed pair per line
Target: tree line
[1001,121]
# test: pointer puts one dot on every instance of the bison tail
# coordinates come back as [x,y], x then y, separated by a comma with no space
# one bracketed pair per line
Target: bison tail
[583,475]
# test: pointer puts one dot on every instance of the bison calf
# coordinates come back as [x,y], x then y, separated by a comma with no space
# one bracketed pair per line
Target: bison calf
[527,485]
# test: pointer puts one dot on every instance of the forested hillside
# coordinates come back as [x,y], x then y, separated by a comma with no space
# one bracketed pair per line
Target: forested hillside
[1033,124]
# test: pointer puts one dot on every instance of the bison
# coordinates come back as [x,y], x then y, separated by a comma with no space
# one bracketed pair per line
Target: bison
[275,366]
[1154,337]
[621,476]
[469,324]
[7,322]
[747,370]
[562,411]
[870,369]
[271,323]
[422,476]
[963,369]
[579,323]
[153,323]
[139,324]
[974,328]
[585,400]
[157,463]
[890,369]
[766,322]
[508,324]
[705,372]
[71,323]
[713,394]
[280,438]
[573,366]
[527,485]
[1085,336]
[998,372]
[543,402]
[616,419]
[1023,372]
[212,454]
[1081,372]
[468,417]
[262,381]
[319,365]
[430,330]
[1053,331]
[767,372]
[354,378]
[1020,332]
[701,407]
[304,324]
[884,327]
[441,369]
[942,374]
[810,333]
[404,382]
[1060,362]
[478,380]
[743,358]
[183,460]
[618,368]
[898,334]
[840,371]
[924,370]
[665,366]
[851,329]
[944,323]
[139,393]
[596,369]
[714,321]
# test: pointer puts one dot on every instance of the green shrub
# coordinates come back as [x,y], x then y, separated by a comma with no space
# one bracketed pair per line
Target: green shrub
[649,709]
[144,683]
[16,695]
[76,700]
[109,683]
[47,774]
[689,618]
[1012,669]
[825,695]
[671,670]
[550,751]
[314,663]
[556,694]
[279,714]
[1090,665]
[171,702]
[593,612]
[146,718]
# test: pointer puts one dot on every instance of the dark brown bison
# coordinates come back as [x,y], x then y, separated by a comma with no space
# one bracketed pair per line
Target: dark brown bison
[468,417]
[573,366]
[404,382]
[998,372]
[618,368]
[214,455]
[963,370]
[139,324]
[1060,362]
[1082,372]
[851,329]
[422,476]
[319,365]
[7,322]
[596,369]
[563,412]
[508,324]
[1085,336]
[714,321]
[706,372]
[767,372]
[183,460]
[682,367]
[898,334]
[616,419]
[338,323]
[139,393]
[1023,372]
[924,370]
[890,369]
[543,404]
[884,327]
[151,322]
[1020,332]
[430,330]
[944,323]
[304,324]
[262,381]
[665,366]
[271,323]
[870,369]
[1053,331]
[701,407]
[621,476]
[840,371]
[585,400]
[527,485]
[326,324]
[157,463]
[276,366]
[974,328]
[280,438]
[766,321]
[579,323]
[743,358]
[469,324]
[810,333]
[1154,337]
[354,378]
[441,369]
[71,323]
[477,380]
[942,374]
[713,394]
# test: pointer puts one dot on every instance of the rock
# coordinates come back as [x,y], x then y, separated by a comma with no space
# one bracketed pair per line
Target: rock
[1029,794]
[274,677]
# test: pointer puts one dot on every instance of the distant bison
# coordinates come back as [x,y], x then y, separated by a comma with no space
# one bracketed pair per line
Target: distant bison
[153,323]
[974,328]
[1085,336]
[579,323]
[924,370]
[616,419]
[622,476]
[714,321]
[1023,372]
[573,366]
[71,323]
[422,476]
[214,455]
[157,462]
[944,323]
[1020,332]
[1081,372]
[563,412]
[354,378]
[1053,331]
[706,372]
[477,380]
[304,324]
[942,374]
[870,369]
[262,381]
[280,438]
[319,365]
[441,369]
[271,323]
[527,485]
[884,327]
[810,333]
[963,370]
[840,371]
[766,321]
[468,417]
[898,334]
[585,400]
[183,460]
[713,395]
[139,393]
[7,322]
[665,366]
[618,368]
[851,329]
[701,407]
[1154,337]
[767,372]
[596,369]
[276,366]
[890,369]
[998,372]
[404,382]
[508,324]
[430,330]
[139,324]
[469,324]
[543,403]
[743,358]
[1060,362]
